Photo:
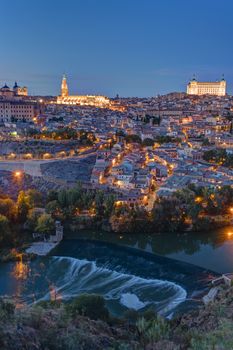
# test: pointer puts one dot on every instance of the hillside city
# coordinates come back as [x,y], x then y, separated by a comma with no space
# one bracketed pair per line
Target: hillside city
[116,175]
[138,149]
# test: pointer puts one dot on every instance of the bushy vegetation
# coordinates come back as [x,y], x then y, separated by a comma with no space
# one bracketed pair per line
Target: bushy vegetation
[150,142]
[79,324]
[75,202]
[220,157]
[133,139]
[84,137]
[151,331]
[92,306]
[7,310]
[220,338]
[193,207]
[53,325]
[14,215]
[196,206]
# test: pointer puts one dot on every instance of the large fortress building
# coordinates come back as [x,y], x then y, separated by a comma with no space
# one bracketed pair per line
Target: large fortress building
[86,100]
[217,88]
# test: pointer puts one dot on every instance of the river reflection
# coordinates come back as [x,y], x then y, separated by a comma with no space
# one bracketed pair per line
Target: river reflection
[212,250]
[21,270]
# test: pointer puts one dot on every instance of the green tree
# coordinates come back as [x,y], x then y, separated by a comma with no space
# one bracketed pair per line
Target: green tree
[23,206]
[206,142]
[63,198]
[99,203]
[52,196]
[133,139]
[32,220]
[54,209]
[45,224]
[148,142]
[168,215]
[109,205]
[34,198]
[8,208]
[5,231]
[167,139]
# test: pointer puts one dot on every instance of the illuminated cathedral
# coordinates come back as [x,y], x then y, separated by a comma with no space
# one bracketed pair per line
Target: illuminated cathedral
[85,100]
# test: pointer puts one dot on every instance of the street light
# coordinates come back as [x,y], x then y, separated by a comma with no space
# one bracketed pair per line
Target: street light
[17,174]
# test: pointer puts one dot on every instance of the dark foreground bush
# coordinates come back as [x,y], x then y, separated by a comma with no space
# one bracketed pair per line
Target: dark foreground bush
[132,316]
[49,304]
[92,306]
[7,310]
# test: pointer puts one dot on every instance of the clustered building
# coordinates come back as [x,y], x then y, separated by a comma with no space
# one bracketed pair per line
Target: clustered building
[174,132]
[17,110]
[15,106]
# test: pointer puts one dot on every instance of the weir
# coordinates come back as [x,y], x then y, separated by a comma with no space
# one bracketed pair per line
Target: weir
[127,278]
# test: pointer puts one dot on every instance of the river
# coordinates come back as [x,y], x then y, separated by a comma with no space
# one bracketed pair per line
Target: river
[167,272]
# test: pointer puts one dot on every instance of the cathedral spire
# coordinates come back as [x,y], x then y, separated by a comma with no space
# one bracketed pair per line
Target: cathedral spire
[64,87]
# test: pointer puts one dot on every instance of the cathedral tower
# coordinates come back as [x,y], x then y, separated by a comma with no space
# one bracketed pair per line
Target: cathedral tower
[64,87]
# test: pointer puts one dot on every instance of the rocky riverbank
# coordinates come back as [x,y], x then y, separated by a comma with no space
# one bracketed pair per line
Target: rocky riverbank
[41,248]
[26,252]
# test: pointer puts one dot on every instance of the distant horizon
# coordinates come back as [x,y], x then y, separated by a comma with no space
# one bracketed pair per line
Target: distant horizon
[12,82]
[125,47]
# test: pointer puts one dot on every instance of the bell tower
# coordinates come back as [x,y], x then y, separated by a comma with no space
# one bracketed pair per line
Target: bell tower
[64,87]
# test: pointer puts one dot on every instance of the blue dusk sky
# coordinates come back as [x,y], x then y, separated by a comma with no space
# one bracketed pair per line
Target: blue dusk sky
[130,47]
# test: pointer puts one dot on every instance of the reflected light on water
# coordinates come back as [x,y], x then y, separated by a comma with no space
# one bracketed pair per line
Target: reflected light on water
[21,269]
[21,273]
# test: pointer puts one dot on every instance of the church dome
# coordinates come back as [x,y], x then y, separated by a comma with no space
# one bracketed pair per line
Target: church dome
[5,87]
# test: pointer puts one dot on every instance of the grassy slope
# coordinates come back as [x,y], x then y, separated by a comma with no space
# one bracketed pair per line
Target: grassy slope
[51,328]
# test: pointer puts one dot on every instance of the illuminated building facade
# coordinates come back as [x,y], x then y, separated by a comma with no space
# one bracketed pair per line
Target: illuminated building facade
[87,100]
[13,110]
[20,91]
[6,92]
[217,88]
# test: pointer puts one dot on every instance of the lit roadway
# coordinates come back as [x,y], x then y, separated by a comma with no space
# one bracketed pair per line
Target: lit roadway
[32,167]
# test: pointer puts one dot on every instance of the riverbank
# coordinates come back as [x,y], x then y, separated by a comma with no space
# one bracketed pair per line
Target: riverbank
[16,254]
[26,252]
[90,224]
[41,248]
[209,249]
[40,326]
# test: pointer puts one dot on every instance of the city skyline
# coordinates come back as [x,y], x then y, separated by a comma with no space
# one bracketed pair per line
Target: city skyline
[87,93]
[126,48]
